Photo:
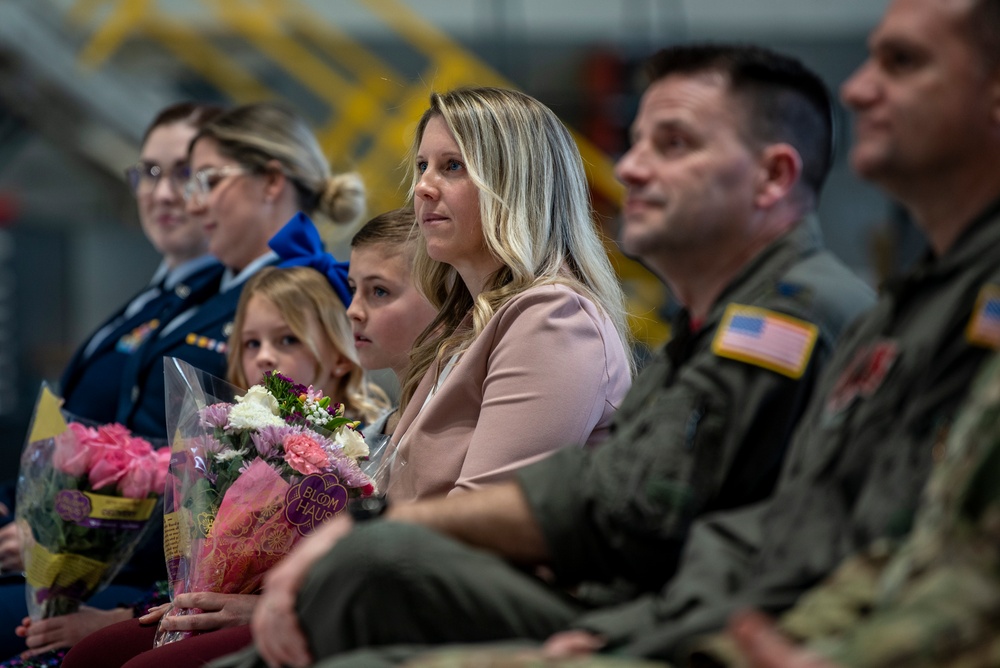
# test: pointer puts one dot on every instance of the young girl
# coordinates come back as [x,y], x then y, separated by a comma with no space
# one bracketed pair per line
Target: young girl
[387,311]
[529,348]
[292,321]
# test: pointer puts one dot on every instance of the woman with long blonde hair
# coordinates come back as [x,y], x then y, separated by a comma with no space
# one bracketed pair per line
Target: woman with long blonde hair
[529,350]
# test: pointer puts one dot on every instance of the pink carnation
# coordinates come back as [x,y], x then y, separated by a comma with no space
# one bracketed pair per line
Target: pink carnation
[113,436]
[73,449]
[118,450]
[139,478]
[162,468]
[145,474]
[304,454]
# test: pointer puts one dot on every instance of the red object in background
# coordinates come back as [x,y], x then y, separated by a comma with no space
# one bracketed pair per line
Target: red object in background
[603,79]
[8,209]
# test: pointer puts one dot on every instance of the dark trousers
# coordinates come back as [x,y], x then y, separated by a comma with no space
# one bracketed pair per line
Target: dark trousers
[389,584]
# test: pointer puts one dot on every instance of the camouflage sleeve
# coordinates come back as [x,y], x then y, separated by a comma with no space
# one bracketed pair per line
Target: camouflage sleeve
[949,617]
[935,599]
[504,657]
[939,599]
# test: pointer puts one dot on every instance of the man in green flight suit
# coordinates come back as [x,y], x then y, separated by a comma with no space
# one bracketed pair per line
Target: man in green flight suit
[730,150]
[928,131]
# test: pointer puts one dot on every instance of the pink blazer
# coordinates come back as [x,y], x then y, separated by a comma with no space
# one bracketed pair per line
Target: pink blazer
[549,370]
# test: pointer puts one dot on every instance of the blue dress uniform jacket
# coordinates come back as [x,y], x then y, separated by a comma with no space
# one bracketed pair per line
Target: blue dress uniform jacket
[200,340]
[92,381]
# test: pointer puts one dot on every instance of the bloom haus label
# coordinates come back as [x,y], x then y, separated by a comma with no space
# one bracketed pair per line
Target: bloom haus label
[314,500]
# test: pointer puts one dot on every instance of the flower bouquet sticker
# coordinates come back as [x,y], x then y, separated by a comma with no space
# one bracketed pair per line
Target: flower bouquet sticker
[251,473]
[85,496]
[314,500]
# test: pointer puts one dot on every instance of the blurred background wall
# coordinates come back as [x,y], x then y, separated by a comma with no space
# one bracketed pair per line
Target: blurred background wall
[80,79]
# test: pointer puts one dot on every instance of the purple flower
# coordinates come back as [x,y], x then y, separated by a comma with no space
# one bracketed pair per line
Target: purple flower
[206,443]
[346,468]
[268,440]
[293,388]
[215,416]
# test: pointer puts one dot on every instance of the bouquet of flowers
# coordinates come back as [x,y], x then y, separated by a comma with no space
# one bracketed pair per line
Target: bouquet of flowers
[84,498]
[249,477]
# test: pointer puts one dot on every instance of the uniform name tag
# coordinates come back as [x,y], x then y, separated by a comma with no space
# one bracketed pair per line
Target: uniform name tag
[984,325]
[766,339]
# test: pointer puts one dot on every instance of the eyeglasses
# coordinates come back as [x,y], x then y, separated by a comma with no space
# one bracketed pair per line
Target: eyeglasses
[143,176]
[200,184]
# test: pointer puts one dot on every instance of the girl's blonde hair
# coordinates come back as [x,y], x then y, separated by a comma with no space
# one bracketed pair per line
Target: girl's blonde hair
[303,295]
[536,216]
[257,134]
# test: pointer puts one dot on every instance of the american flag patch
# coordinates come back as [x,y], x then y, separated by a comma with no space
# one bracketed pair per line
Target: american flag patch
[765,338]
[984,325]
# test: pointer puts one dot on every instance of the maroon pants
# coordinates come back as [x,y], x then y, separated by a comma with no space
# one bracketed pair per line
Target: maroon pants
[130,645]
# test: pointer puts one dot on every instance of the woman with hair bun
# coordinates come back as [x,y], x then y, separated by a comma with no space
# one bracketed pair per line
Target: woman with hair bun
[254,170]
[529,350]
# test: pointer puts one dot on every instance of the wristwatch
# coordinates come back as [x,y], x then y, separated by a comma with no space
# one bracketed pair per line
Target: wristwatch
[362,510]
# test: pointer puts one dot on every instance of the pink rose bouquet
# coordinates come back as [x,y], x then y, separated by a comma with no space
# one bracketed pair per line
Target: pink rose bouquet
[249,476]
[84,497]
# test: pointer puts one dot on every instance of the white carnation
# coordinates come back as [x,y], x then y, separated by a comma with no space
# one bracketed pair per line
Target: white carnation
[258,394]
[250,415]
[351,443]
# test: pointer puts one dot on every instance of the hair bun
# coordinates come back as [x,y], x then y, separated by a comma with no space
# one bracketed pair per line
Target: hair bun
[343,198]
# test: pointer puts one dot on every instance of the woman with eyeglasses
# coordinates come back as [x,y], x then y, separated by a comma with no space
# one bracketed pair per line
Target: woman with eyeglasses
[101,381]
[252,169]
[97,383]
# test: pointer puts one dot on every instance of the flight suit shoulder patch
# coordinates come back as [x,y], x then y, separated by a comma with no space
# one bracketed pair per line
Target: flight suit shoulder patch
[984,325]
[765,338]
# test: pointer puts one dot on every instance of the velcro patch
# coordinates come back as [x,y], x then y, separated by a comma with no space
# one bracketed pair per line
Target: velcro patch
[984,325]
[864,375]
[765,338]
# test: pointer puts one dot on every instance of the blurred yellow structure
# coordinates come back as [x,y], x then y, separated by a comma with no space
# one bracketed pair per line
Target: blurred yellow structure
[373,106]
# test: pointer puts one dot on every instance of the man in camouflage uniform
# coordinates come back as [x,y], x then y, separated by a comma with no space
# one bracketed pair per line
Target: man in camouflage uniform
[730,151]
[935,601]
